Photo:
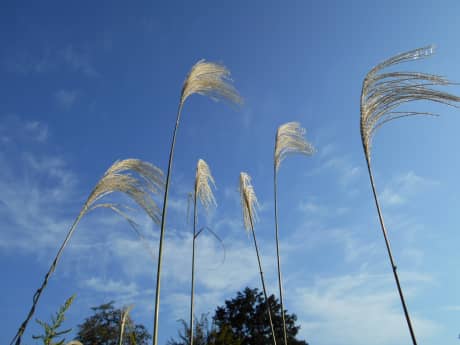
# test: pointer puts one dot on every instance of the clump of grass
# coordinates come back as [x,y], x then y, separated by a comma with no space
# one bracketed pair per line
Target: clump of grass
[382,93]
[206,79]
[290,139]
[202,192]
[249,206]
[116,179]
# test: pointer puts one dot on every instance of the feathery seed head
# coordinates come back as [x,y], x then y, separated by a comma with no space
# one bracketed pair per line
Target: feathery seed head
[383,92]
[203,183]
[249,201]
[290,139]
[209,79]
[139,189]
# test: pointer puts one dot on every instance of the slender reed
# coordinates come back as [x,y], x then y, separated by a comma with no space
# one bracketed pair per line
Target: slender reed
[289,140]
[202,191]
[249,205]
[207,79]
[116,179]
[381,94]
[124,318]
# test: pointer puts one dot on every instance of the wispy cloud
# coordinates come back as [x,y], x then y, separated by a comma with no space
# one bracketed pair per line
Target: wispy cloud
[311,207]
[455,308]
[403,187]
[358,309]
[79,60]
[347,172]
[48,60]
[14,128]
[65,99]
[111,286]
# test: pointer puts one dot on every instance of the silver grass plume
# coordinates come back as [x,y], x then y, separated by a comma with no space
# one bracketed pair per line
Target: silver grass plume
[203,182]
[207,79]
[249,201]
[124,318]
[382,93]
[290,139]
[116,179]
[249,205]
[203,192]
[140,190]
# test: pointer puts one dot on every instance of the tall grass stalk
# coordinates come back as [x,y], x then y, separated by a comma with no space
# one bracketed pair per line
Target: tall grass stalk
[207,79]
[249,205]
[202,191]
[115,179]
[381,94]
[289,140]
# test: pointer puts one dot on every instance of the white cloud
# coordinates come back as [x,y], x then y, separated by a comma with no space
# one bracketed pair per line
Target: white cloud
[111,286]
[66,98]
[454,308]
[46,60]
[311,207]
[33,194]
[36,130]
[14,129]
[358,309]
[404,187]
[78,60]
[347,172]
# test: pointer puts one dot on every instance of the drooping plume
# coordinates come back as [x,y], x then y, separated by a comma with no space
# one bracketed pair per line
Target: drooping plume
[290,138]
[381,95]
[383,92]
[115,179]
[140,190]
[203,182]
[209,79]
[249,201]
[249,205]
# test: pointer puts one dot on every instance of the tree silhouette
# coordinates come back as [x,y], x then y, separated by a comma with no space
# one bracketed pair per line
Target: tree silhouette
[242,320]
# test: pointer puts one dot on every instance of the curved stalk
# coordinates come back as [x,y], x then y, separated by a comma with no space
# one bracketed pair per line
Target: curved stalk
[17,338]
[390,255]
[192,292]
[278,258]
[162,229]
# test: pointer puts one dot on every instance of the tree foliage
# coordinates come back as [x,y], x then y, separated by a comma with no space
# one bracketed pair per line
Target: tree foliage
[205,333]
[103,328]
[243,320]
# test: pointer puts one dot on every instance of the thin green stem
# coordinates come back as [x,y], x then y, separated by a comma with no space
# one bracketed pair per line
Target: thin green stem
[162,230]
[17,338]
[192,292]
[278,257]
[390,255]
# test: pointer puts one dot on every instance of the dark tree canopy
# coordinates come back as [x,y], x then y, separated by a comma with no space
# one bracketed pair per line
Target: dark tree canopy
[243,320]
[205,333]
[103,328]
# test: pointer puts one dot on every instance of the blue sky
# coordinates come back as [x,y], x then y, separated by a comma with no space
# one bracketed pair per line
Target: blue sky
[86,83]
